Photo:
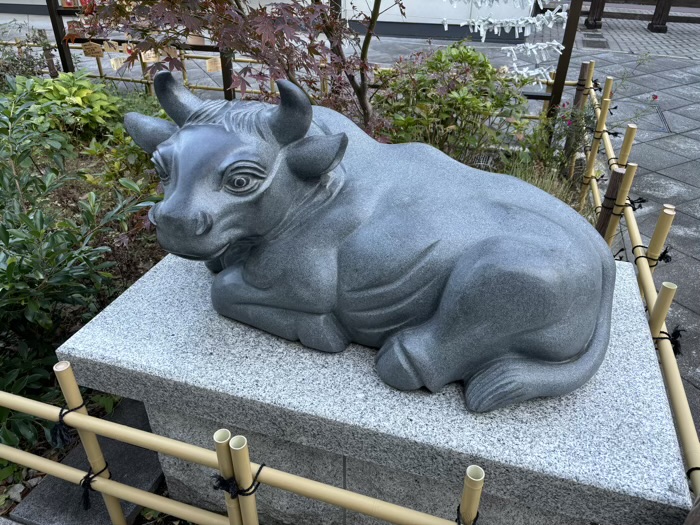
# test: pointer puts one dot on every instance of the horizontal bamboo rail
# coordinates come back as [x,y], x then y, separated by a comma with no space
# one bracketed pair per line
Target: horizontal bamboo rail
[113,488]
[275,478]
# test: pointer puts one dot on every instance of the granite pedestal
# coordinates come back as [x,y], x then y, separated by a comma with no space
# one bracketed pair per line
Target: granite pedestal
[606,453]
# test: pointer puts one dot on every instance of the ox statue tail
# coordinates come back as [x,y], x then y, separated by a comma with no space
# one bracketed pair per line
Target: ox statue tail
[509,381]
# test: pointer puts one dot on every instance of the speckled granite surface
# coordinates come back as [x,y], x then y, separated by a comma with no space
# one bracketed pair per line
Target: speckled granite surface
[606,453]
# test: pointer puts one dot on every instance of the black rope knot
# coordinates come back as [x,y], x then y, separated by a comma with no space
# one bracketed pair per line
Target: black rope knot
[636,204]
[665,257]
[61,434]
[231,487]
[86,485]
[610,110]
[674,337]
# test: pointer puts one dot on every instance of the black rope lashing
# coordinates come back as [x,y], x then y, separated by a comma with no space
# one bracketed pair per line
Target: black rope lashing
[231,487]
[61,434]
[618,256]
[86,485]
[598,135]
[674,337]
[614,161]
[636,204]
[690,471]
[664,255]
[596,85]
[610,110]
[459,521]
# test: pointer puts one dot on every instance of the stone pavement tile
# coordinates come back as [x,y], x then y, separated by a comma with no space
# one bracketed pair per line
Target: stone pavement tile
[679,123]
[692,208]
[683,271]
[684,78]
[663,100]
[653,81]
[653,159]
[659,188]
[693,70]
[622,88]
[679,144]
[684,235]
[689,92]
[656,65]
[688,173]
[613,57]
[694,134]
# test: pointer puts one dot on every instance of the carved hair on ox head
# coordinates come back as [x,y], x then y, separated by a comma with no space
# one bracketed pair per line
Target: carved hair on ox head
[288,122]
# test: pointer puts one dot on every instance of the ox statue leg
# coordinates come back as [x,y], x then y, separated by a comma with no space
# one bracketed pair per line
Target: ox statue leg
[233,297]
[507,326]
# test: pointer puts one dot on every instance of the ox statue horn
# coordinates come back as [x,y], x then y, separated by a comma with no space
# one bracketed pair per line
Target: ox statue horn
[177,101]
[291,119]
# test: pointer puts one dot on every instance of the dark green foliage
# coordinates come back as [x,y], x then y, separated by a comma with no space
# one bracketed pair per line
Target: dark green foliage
[453,99]
[50,261]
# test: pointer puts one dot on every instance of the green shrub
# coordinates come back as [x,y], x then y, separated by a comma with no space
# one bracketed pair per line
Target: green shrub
[453,99]
[51,262]
[24,58]
[72,103]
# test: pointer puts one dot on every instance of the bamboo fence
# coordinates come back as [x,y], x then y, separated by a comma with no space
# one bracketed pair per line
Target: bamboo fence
[229,458]
[645,260]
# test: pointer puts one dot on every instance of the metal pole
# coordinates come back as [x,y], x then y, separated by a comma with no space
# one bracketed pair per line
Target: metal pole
[565,58]
[59,33]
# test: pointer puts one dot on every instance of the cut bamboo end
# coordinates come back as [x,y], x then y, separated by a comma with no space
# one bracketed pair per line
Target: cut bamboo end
[658,238]
[61,366]
[627,143]
[93,451]
[661,308]
[471,494]
[241,468]
[222,438]
[620,202]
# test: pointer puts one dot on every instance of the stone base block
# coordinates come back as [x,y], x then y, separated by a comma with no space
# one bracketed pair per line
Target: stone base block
[606,453]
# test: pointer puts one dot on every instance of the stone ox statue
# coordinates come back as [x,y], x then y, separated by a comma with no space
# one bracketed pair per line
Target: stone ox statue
[318,233]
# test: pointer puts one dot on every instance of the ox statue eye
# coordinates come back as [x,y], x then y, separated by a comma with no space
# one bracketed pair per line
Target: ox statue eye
[242,178]
[239,183]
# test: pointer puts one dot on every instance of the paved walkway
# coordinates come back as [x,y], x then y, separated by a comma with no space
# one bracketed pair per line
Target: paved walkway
[658,88]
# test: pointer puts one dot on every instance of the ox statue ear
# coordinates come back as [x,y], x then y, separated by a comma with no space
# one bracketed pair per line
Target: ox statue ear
[148,132]
[314,156]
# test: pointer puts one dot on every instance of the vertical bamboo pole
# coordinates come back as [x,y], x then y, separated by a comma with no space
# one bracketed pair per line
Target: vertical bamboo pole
[620,202]
[579,105]
[471,494]
[589,83]
[100,71]
[658,238]
[607,88]
[593,154]
[222,438]
[244,478]
[71,392]
[608,204]
[657,318]
[548,90]
[185,80]
[626,148]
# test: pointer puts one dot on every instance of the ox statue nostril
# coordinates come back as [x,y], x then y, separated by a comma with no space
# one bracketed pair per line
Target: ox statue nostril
[204,222]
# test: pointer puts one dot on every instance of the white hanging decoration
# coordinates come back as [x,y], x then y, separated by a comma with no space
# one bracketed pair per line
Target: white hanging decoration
[523,25]
[540,50]
[520,4]
[538,74]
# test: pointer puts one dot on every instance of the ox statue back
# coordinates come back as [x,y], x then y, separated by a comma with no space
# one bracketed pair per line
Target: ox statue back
[318,233]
